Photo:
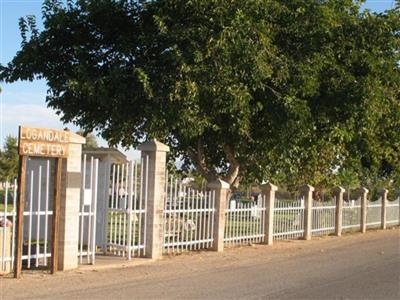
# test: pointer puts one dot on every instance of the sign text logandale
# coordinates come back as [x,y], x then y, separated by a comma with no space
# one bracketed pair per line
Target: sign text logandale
[43,142]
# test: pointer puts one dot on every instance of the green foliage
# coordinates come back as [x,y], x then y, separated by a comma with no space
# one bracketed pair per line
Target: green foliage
[9,159]
[91,141]
[291,91]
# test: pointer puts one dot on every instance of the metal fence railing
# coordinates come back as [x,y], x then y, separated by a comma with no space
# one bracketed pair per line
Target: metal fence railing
[244,223]
[288,219]
[188,218]
[374,213]
[37,222]
[323,217]
[392,212]
[7,230]
[351,214]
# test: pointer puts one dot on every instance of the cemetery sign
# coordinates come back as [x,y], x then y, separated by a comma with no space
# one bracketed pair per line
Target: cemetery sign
[43,142]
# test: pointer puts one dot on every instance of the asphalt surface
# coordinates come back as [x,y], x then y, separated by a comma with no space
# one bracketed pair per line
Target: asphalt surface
[356,266]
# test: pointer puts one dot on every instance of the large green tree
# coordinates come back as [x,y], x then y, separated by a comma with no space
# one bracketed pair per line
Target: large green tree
[290,90]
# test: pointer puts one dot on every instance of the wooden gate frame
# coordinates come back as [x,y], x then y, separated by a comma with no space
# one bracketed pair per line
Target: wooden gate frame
[39,142]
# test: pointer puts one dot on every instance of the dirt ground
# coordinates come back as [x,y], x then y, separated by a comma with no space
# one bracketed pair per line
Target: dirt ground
[354,266]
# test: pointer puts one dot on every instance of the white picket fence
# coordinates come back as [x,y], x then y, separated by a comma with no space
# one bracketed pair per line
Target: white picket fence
[188,217]
[323,217]
[244,223]
[288,219]
[351,214]
[127,211]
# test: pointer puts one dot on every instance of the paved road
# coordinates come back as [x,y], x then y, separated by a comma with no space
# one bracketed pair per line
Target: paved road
[351,267]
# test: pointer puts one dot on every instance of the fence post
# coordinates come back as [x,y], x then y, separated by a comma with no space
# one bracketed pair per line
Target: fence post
[364,198]
[384,193]
[154,164]
[338,191]
[268,190]
[306,192]
[221,189]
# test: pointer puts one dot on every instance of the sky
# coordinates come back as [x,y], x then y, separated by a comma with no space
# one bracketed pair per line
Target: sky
[23,103]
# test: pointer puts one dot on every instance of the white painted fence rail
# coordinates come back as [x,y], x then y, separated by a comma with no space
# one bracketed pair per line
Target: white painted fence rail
[244,223]
[288,219]
[188,217]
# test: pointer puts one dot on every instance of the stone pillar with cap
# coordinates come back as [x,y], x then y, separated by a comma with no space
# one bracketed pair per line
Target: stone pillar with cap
[338,192]
[154,154]
[384,193]
[306,192]
[221,191]
[70,201]
[268,191]
[364,202]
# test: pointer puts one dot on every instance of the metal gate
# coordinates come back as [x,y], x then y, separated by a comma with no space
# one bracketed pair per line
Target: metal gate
[127,209]
[87,211]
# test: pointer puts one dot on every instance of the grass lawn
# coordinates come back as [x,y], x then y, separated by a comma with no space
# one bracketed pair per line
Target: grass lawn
[10,207]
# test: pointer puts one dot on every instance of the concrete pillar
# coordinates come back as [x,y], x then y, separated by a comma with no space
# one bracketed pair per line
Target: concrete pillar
[364,202]
[306,192]
[268,190]
[70,200]
[384,193]
[154,156]
[221,190]
[338,193]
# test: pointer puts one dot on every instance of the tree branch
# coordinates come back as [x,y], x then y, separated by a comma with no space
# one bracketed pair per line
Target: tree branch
[198,158]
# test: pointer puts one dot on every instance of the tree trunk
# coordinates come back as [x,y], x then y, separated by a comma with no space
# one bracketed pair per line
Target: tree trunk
[198,158]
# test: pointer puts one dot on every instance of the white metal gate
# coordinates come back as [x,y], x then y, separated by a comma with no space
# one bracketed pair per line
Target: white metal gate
[127,209]
[87,211]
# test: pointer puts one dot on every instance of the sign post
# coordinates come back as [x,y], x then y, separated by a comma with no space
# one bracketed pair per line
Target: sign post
[40,142]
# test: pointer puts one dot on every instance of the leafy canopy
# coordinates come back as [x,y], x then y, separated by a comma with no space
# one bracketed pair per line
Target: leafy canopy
[292,91]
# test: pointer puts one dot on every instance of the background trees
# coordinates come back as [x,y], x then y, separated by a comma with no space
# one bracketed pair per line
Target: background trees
[291,91]
[9,159]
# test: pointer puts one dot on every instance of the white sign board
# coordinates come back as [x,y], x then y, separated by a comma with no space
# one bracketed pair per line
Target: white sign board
[87,197]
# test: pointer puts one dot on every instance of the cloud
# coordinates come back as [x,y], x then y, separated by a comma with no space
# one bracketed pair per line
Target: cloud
[30,115]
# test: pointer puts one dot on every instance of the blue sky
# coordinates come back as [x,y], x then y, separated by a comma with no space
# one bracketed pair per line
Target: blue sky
[24,102]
